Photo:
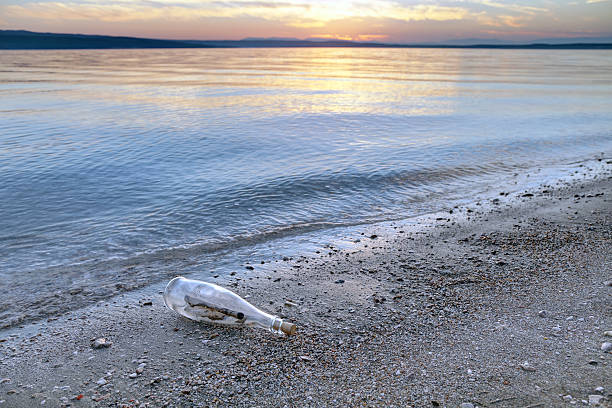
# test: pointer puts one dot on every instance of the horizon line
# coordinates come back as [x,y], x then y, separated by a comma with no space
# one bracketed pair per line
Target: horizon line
[32,40]
[510,42]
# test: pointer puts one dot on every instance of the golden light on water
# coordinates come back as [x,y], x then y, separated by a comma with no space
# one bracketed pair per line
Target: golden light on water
[306,81]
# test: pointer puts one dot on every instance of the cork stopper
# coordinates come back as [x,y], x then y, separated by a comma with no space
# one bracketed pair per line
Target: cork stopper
[285,327]
[288,328]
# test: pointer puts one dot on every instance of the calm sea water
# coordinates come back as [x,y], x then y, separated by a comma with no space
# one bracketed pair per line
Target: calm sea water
[115,154]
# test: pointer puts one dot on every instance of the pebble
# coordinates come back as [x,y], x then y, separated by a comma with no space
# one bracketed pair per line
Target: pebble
[608,333]
[606,347]
[567,398]
[133,375]
[527,367]
[101,343]
[5,380]
[595,399]
[599,390]
[101,381]
[608,283]
[467,405]
[542,313]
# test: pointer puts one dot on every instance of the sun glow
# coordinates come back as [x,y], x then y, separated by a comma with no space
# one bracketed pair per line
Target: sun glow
[393,20]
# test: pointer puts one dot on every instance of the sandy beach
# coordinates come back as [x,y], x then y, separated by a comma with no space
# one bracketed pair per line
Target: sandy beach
[497,304]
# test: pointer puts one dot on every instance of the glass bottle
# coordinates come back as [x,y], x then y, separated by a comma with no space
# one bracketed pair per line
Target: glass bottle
[210,303]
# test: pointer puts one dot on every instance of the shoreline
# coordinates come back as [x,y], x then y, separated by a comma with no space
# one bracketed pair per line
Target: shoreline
[439,315]
[46,292]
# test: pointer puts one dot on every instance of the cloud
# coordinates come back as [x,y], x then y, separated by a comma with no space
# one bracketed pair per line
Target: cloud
[292,13]
[363,20]
[427,12]
[508,7]
[357,37]
[371,37]
[332,37]
[306,24]
[514,21]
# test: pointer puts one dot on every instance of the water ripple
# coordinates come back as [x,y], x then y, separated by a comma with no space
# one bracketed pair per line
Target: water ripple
[154,153]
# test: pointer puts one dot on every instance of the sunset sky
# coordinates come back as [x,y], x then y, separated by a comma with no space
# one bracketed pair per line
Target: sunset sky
[401,21]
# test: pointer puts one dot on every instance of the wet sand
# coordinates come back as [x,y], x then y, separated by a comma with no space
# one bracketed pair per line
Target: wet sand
[497,304]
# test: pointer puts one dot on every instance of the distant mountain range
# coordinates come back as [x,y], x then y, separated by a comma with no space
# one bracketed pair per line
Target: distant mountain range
[551,41]
[22,40]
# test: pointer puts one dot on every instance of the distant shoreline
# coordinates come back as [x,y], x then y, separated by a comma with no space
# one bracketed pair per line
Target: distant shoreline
[27,40]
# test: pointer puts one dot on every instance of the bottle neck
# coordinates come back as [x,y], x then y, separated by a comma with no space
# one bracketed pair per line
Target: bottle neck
[280,326]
